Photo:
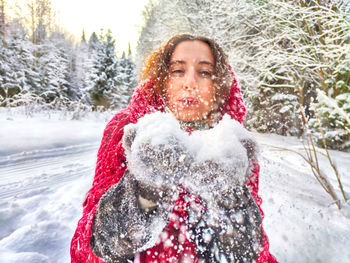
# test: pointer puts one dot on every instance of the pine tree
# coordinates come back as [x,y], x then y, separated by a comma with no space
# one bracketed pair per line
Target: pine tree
[94,43]
[82,67]
[55,72]
[83,39]
[28,76]
[11,71]
[103,76]
[126,82]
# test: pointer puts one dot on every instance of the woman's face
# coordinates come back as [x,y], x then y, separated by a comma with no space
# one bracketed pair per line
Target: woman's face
[189,88]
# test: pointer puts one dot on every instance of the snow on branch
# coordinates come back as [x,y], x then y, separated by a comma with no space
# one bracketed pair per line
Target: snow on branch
[333,103]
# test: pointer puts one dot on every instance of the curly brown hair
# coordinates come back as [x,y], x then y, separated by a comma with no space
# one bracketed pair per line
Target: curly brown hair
[156,66]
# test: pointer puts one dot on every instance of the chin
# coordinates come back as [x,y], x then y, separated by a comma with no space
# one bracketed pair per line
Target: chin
[188,117]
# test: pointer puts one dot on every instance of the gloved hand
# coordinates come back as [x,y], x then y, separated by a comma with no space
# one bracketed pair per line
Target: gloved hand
[213,176]
[129,219]
[229,229]
[158,164]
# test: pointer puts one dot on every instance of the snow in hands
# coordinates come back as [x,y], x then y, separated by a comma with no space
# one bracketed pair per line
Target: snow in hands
[223,145]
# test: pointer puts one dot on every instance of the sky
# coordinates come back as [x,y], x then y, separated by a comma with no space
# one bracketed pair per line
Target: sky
[123,17]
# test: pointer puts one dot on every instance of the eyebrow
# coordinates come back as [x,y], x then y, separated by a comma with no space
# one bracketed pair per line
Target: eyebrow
[203,62]
[206,63]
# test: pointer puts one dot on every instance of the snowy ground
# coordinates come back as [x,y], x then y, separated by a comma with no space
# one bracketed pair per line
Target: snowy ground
[301,220]
[46,167]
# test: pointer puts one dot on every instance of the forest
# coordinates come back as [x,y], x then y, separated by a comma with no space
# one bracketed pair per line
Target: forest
[42,66]
[292,58]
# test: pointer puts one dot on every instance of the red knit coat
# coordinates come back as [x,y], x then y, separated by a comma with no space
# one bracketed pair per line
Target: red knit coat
[111,165]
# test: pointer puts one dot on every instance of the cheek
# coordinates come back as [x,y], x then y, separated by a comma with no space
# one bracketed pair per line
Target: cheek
[170,92]
[208,94]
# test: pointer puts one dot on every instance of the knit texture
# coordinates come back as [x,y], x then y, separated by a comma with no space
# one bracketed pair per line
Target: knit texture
[111,166]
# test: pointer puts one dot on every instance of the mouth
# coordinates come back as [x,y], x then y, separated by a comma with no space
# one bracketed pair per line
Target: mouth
[189,101]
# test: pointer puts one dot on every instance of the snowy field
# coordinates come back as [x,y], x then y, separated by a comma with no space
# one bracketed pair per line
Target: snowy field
[47,164]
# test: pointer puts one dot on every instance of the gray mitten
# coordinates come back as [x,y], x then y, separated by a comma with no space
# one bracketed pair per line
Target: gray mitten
[129,219]
[221,158]
[229,230]
[157,162]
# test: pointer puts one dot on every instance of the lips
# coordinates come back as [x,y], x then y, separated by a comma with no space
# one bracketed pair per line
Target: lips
[189,101]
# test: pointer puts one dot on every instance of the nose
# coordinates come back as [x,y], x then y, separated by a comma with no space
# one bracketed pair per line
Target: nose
[190,79]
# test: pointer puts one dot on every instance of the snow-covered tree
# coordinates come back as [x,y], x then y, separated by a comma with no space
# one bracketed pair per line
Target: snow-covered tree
[299,50]
[81,63]
[94,43]
[333,112]
[54,62]
[111,79]
[103,76]
[30,80]
[15,65]
[126,82]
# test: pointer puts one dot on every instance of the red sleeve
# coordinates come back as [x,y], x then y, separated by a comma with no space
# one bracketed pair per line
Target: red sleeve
[253,184]
[110,167]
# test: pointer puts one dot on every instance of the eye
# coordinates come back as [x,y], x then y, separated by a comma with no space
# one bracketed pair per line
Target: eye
[177,72]
[205,73]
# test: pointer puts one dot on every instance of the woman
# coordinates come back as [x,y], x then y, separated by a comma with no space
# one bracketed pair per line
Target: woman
[161,217]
